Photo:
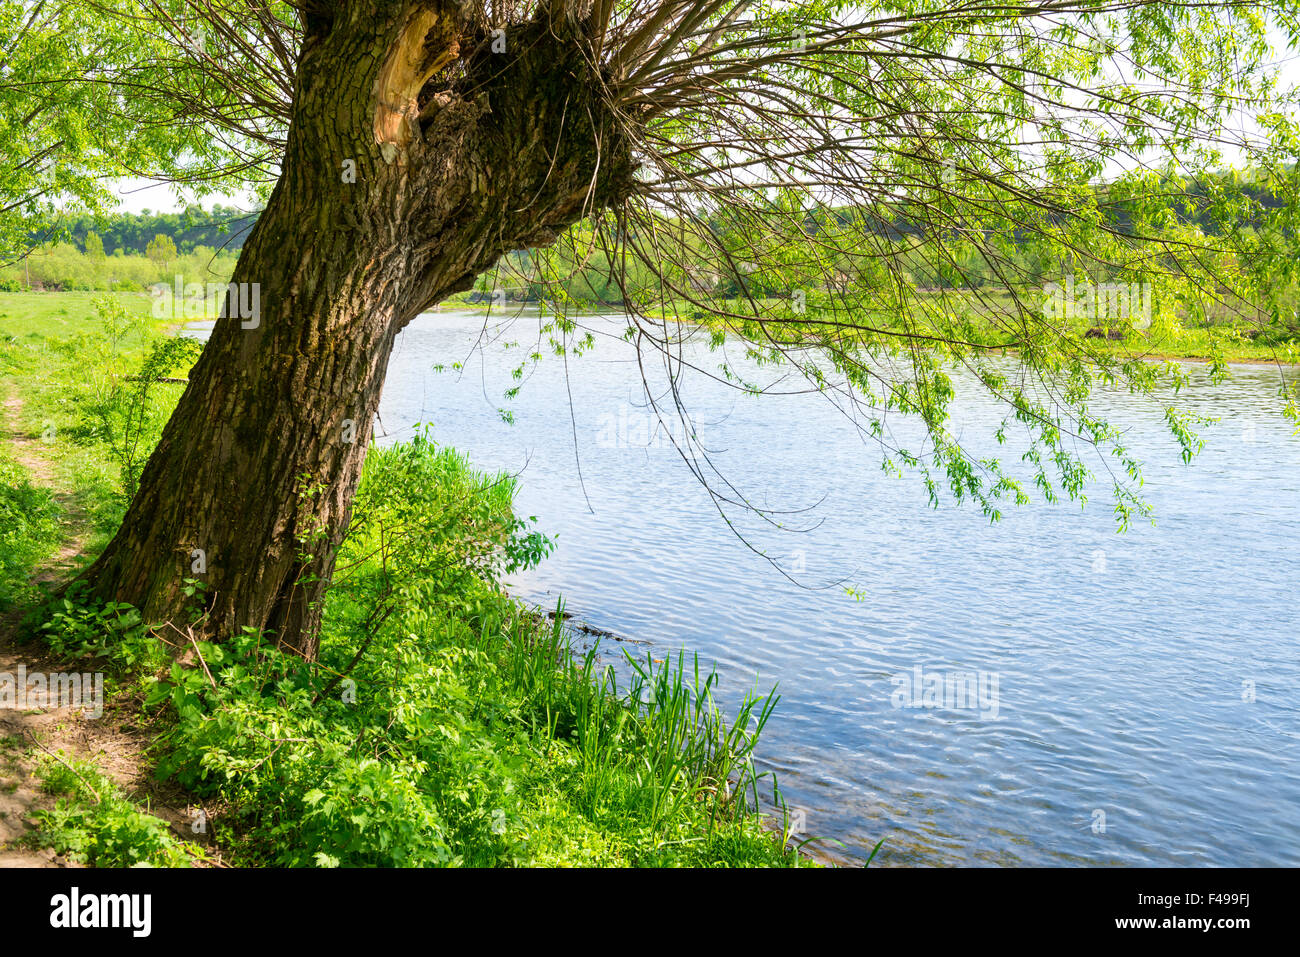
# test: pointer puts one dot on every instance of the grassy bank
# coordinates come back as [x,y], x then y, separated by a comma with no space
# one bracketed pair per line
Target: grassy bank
[444,724]
[67,360]
[957,314]
[1226,341]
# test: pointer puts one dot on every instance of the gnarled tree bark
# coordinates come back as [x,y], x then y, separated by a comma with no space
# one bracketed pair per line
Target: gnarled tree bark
[461,153]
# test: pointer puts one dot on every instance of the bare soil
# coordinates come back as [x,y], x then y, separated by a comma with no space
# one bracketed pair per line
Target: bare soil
[115,741]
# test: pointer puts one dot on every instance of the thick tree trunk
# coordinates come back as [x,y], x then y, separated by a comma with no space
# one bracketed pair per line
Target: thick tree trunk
[458,157]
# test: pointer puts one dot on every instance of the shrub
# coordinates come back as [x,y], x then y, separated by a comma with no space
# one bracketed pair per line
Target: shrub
[93,823]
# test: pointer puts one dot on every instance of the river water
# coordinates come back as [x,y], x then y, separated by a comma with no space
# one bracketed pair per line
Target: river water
[1134,697]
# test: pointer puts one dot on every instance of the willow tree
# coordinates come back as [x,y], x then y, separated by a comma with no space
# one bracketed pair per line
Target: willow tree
[818,154]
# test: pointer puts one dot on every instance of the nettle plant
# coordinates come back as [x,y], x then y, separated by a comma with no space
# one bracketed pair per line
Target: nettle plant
[426,529]
[76,625]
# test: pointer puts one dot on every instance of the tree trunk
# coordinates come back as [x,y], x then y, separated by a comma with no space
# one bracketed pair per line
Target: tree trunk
[459,154]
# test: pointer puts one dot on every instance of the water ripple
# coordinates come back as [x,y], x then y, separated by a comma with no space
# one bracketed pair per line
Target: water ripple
[1145,706]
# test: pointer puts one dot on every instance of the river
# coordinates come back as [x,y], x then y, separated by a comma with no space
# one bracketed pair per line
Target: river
[1132,696]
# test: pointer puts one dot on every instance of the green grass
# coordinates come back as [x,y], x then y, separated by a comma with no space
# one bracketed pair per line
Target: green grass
[444,724]
[1228,341]
[58,315]
[458,728]
[29,530]
[1231,342]
[64,358]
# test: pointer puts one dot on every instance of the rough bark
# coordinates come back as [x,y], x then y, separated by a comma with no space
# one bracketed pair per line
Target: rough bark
[461,154]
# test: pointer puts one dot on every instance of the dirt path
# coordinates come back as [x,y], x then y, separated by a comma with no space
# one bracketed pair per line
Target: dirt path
[43,729]
[27,452]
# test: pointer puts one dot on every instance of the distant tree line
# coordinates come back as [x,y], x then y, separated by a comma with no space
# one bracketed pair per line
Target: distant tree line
[221,228]
[576,270]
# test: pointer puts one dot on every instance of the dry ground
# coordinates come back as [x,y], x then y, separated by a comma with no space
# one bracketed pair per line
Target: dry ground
[114,742]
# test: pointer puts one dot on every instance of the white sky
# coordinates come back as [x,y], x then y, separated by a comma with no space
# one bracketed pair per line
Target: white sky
[136,195]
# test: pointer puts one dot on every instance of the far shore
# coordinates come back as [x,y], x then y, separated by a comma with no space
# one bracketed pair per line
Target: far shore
[1196,348]
[61,307]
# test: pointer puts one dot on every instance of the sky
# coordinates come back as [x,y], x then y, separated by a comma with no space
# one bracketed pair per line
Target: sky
[136,195]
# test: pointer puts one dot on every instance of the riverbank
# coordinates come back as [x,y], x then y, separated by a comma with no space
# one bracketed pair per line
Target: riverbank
[1226,341]
[62,314]
[444,723]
